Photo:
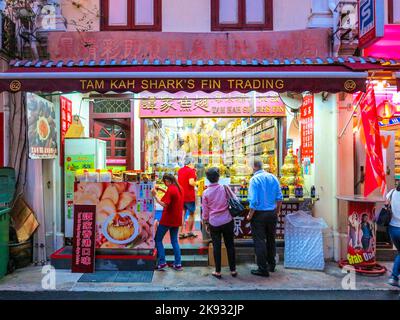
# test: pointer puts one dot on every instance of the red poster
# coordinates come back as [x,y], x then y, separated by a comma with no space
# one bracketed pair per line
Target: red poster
[66,120]
[1,139]
[83,250]
[361,245]
[307,128]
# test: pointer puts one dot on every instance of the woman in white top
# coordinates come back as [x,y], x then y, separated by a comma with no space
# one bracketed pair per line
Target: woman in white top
[394,230]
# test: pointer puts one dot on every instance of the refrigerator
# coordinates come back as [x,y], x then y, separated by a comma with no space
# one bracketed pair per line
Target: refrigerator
[80,153]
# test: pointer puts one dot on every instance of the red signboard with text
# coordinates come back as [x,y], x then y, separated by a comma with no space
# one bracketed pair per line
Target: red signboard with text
[83,251]
[66,120]
[2,139]
[307,128]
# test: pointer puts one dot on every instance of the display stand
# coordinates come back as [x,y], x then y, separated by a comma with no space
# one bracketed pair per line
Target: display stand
[361,235]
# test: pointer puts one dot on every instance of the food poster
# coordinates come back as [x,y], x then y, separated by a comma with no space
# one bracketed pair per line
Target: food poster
[73,163]
[361,229]
[124,213]
[42,129]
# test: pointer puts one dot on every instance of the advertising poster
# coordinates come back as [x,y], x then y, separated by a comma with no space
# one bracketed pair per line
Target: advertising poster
[361,233]
[124,213]
[83,250]
[307,128]
[42,129]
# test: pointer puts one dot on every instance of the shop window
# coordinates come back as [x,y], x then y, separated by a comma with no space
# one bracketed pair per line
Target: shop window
[112,106]
[119,15]
[115,137]
[393,12]
[241,15]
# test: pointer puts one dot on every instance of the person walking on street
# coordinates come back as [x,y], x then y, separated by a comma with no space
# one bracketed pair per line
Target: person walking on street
[265,201]
[171,220]
[187,180]
[218,220]
[394,231]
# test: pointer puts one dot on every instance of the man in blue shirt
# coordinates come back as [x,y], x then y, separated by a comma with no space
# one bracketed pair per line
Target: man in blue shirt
[265,198]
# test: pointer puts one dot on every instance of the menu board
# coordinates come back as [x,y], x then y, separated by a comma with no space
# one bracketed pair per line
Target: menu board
[307,128]
[42,129]
[124,213]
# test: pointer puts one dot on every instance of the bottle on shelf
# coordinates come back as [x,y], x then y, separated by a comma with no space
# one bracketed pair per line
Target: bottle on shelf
[312,192]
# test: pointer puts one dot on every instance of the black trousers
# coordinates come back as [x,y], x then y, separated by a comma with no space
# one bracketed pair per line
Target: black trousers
[263,229]
[225,230]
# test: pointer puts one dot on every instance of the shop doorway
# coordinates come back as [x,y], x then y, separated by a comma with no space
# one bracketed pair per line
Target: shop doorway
[111,120]
[116,133]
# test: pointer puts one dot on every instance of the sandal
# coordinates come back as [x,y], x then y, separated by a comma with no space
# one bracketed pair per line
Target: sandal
[191,235]
[183,236]
[216,275]
[234,274]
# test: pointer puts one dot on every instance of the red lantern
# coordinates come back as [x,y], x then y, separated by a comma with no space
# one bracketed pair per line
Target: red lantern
[385,110]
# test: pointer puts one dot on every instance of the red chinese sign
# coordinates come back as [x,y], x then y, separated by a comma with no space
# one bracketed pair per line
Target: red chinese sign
[307,128]
[66,120]
[83,251]
[361,246]
[1,139]
[210,105]
[182,46]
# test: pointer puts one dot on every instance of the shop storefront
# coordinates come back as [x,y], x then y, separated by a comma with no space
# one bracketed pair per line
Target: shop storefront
[220,114]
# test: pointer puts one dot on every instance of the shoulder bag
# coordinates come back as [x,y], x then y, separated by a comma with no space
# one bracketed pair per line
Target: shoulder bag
[234,205]
[385,216]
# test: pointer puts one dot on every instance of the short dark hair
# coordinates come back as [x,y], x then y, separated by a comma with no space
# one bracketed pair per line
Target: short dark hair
[212,175]
[258,164]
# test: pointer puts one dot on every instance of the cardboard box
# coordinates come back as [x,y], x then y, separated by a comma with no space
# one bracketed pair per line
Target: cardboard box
[23,220]
[224,256]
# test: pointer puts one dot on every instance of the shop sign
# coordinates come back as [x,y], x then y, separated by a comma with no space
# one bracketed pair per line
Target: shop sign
[361,233]
[42,130]
[242,228]
[199,104]
[185,45]
[174,85]
[307,128]
[370,21]
[124,213]
[83,250]
[66,120]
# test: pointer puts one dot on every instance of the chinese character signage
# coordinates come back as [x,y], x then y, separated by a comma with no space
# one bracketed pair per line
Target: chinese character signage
[210,105]
[66,120]
[42,129]
[307,128]
[370,21]
[83,254]
[361,233]
[124,213]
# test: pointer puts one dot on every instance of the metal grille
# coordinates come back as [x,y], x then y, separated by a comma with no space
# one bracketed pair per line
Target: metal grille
[112,106]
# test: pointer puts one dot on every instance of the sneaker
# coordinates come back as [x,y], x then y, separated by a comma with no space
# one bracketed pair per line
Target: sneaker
[260,273]
[393,282]
[161,267]
[177,267]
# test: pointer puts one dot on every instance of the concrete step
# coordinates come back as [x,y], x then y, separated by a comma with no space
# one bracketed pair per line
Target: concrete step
[191,260]
[385,254]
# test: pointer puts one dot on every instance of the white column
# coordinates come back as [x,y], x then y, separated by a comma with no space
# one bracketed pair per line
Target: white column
[321,14]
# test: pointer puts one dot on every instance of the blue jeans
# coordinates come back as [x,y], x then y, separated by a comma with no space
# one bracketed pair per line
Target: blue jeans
[395,236]
[173,232]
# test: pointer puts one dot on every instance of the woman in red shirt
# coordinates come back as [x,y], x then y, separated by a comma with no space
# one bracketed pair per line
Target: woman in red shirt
[171,220]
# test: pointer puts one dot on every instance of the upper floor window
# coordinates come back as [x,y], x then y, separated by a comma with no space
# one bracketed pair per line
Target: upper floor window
[241,15]
[131,15]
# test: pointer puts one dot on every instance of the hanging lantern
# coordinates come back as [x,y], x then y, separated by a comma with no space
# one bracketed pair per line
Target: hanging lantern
[385,111]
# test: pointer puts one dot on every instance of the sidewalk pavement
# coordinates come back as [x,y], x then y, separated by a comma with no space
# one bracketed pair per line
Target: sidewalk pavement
[199,279]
